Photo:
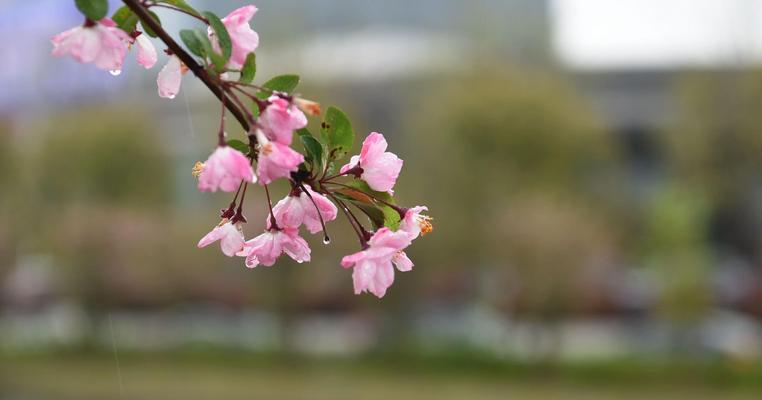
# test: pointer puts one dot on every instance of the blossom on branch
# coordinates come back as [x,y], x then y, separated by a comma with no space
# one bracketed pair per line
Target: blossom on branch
[295,210]
[224,170]
[379,168]
[280,119]
[229,234]
[276,160]
[100,43]
[267,247]
[374,266]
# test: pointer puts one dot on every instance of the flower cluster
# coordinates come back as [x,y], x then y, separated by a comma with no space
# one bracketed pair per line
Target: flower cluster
[224,47]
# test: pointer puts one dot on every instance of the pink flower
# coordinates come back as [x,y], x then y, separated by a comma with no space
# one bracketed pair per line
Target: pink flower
[267,247]
[374,266]
[244,39]
[293,211]
[275,160]
[415,223]
[170,78]
[230,236]
[146,51]
[101,43]
[224,170]
[280,119]
[380,168]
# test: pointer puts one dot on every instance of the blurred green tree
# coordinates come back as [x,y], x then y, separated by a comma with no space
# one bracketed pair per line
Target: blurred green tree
[520,173]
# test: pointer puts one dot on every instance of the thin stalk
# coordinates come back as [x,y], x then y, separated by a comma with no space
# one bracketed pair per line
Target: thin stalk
[273,222]
[358,229]
[167,6]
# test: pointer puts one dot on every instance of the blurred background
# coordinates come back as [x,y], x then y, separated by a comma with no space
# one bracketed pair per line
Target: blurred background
[594,169]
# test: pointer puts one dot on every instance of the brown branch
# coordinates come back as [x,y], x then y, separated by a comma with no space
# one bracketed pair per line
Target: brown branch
[187,59]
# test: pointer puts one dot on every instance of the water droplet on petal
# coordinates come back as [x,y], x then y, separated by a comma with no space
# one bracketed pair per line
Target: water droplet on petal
[326,240]
[115,72]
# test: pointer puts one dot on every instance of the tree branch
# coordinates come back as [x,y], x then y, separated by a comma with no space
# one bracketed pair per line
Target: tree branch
[187,59]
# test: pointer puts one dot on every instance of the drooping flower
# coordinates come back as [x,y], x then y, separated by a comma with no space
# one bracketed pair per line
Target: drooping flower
[380,168]
[243,38]
[295,210]
[415,223]
[276,160]
[267,247]
[229,234]
[225,169]
[170,77]
[100,43]
[146,51]
[280,119]
[374,266]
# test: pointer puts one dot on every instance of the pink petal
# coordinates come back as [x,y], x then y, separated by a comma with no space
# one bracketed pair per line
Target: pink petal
[382,173]
[277,160]
[243,38]
[170,78]
[372,147]
[146,51]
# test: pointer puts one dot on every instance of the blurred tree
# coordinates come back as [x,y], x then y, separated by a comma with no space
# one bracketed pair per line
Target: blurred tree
[105,157]
[8,195]
[519,171]
[715,144]
[102,186]
[675,247]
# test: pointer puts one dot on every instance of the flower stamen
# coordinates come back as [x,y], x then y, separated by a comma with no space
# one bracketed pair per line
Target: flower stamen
[198,168]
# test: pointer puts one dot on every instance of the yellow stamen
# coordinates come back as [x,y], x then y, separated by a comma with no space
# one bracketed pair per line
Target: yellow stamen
[266,149]
[424,221]
[198,168]
[308,106]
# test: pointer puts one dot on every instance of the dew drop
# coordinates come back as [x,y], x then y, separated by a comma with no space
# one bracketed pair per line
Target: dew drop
[115,72]
[326,239]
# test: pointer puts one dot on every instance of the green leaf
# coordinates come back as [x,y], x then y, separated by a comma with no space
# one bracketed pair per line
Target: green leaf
[92,9]
[200,45]
[281,83]
[337,133]
[125,19]
[239,145]
[391,217]
[223,37]
[249,69]
[313,149]
[181,4]
[192,42]
[216,58]
[147,29]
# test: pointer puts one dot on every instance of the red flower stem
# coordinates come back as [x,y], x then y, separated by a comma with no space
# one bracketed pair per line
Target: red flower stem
[221,134]
[187,59]
[262,104]
[167,6]
[273,222]
[359,230]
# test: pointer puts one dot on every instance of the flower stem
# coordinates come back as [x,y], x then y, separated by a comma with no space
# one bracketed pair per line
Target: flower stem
[273,222]
[362,234]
